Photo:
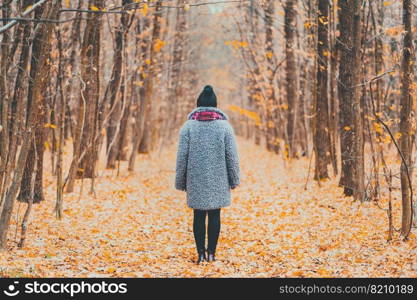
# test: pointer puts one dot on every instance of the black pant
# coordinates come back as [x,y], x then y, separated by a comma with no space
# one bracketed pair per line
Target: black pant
[199,227]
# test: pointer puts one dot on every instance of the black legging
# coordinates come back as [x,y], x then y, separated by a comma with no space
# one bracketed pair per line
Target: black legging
[199,227]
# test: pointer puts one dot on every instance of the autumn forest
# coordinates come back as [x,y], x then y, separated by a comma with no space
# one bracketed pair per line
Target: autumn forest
[321,95]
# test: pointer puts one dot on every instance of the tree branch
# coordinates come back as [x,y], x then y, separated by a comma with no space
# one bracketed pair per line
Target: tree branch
[25,13]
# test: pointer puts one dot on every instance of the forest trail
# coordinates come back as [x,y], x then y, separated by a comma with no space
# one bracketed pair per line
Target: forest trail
[139,225]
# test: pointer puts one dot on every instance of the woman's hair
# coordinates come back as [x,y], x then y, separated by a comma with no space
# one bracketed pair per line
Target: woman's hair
[207,97]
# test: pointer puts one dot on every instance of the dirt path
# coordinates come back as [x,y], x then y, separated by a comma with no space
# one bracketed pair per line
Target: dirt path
[138,225]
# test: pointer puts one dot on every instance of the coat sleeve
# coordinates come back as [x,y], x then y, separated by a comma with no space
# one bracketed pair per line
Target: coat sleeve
[182,159]
[232,158]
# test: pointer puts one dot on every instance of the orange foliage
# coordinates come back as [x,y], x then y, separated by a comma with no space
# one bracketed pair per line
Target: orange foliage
[137,225]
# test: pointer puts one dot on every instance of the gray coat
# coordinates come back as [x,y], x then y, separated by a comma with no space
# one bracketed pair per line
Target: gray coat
[207,162]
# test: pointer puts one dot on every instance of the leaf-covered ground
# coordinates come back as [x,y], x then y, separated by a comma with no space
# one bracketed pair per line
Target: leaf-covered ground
[138,225]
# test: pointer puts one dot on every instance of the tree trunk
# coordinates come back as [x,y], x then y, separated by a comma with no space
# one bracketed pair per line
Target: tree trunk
[405,123]
[359,167]
[270,89]
[321,134]
[26,188]
[177,91]
[351,141]
[90,71]
[333,114]
[142,52]
[113,128]
[291,73]
[145,143]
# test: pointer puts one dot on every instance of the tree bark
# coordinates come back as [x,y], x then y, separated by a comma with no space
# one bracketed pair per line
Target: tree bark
[291,73]
[269,11]
[113,128]
[321,134]
[145,143]
[35,155]
[351,141]
[139,104]
[405,123]
[90,71]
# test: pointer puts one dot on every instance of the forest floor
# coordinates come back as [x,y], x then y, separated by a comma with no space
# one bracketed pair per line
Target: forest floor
[139,225]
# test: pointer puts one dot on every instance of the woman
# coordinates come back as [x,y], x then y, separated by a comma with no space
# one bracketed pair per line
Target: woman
[207,168]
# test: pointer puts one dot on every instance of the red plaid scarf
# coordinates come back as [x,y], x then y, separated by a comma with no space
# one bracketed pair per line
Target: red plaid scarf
[206,116]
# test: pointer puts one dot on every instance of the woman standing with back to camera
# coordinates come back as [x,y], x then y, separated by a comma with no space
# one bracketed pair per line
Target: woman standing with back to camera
[207,168]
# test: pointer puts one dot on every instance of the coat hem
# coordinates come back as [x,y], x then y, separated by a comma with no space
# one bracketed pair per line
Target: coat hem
[209,208]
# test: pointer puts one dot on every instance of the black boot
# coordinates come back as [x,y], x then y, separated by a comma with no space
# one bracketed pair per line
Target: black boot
[211,257]
[201,256]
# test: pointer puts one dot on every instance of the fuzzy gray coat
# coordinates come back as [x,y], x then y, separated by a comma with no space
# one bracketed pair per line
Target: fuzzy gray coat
[207,161]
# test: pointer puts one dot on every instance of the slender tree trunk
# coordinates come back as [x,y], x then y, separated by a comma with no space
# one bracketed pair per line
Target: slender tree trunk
[321,134]
[333,114]
[145,144]
[113,128]
[270,89]
[405,123]
[178,57]
[142,48]
[70,126]
[61,140]
[291,73]
[359,144]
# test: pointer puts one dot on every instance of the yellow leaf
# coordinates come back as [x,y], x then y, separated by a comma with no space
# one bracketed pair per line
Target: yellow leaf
[347,128]
[378,128]
[395,30]
[323,20]
[148,61]
[94,8]
[187,7]
[269,54]
[387,3]
[67,3]
[49,125]
[298,273]
[158,45]
[322,272]
[111,270]
[29,7]
[236,44]
[107,255]
[144,9]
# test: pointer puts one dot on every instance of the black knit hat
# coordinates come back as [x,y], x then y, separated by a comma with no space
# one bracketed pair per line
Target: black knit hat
[207,97]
